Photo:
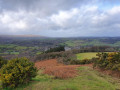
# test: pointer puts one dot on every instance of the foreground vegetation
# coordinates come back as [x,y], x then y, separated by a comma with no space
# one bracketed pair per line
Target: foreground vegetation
[88,79]
[17,72]
[110,61]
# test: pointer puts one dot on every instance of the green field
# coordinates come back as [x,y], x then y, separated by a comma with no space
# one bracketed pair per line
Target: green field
[88,55]
[14,53]
[88,79]
[38,53]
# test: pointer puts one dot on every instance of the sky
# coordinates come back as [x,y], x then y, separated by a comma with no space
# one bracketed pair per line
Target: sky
[60,18]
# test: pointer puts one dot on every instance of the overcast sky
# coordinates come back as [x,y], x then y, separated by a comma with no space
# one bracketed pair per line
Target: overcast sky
[60,18]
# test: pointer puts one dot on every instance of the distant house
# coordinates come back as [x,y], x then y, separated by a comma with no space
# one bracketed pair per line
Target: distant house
[46,48]
[67,48]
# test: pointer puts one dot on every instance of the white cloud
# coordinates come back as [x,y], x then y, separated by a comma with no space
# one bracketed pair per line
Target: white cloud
[63,18]
[5,19]
[17,25]
[114,10]
[13,21]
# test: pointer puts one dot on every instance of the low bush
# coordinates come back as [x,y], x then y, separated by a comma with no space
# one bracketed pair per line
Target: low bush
[67,58]
[53,55]
[109,61]
[84,61]
[16,72]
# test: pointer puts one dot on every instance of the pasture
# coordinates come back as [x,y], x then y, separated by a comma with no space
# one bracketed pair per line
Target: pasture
[87,55]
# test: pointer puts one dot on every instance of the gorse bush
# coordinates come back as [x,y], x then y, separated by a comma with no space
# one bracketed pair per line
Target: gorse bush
[16,72]
[102,61]
[108,61]
[2,62]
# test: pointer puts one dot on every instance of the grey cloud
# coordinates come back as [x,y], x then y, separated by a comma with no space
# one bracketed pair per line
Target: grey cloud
[44,7]
[59,18]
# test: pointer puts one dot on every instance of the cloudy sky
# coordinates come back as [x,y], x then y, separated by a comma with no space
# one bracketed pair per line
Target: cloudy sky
[60,18]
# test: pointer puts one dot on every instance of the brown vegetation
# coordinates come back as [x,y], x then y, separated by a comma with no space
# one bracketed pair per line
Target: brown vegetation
[47,63]
[109,72]
[62,71]
[58,70]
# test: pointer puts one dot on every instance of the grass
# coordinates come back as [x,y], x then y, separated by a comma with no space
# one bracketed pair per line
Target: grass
[70,43]
[3,53]
[88,79]
[14,53]
[74,43]
[89,55]
[38,53]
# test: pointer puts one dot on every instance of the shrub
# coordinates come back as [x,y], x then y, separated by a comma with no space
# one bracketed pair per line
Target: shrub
[2,62]
[66,58]
[16,72]
[84,61]
[53,55]
[56,49]
[108,61]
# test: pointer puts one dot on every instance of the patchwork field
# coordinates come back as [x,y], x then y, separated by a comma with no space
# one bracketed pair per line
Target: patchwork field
[88,55]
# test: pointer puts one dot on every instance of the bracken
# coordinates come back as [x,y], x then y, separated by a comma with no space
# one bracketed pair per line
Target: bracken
[58,70]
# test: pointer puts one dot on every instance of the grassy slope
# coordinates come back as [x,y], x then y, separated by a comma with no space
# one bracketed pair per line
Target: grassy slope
[88,79]
[89,55]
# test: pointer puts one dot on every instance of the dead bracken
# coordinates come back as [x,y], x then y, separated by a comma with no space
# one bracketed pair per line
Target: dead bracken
[58,70]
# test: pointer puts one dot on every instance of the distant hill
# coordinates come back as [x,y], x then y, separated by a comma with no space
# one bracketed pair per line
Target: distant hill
[21,36]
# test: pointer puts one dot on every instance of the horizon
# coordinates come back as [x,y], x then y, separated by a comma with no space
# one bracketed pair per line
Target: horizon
[76,18]
[33,35]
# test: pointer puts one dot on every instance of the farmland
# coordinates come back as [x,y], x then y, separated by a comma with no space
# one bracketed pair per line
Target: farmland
[88,55]
[26,46]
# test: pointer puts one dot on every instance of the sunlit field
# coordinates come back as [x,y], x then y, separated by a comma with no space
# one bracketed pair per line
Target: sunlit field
[88,55]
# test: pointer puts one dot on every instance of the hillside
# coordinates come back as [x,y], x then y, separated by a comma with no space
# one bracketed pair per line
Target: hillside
[87,79]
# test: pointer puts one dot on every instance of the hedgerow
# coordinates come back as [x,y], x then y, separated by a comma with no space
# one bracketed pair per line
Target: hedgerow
[84,61]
